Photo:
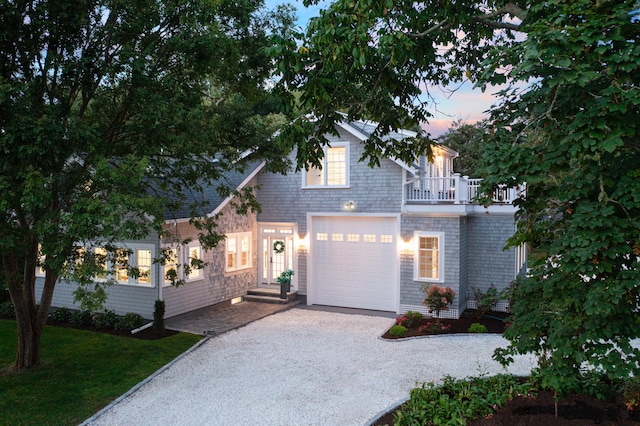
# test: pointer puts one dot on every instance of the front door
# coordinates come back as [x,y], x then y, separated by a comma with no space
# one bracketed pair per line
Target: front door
[277,253]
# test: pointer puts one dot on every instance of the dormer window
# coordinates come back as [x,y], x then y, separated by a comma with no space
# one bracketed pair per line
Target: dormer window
[334,172]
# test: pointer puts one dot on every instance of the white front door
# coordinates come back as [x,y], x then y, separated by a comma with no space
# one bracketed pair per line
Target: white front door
[276,252]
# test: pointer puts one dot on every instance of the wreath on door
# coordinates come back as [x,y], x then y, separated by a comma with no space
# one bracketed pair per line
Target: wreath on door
[278,247]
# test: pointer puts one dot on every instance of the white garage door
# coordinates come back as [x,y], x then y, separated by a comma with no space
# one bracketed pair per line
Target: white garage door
[354,262]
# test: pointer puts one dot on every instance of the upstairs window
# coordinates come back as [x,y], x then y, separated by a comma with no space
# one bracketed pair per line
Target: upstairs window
[334,171]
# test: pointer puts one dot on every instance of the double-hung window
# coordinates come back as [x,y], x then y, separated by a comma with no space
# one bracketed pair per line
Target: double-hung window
[238,251]
[429,257]
[334,171]
[193,258]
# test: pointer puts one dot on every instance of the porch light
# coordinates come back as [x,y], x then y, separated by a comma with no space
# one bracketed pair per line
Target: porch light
[302,243]
[350,205]
[405,246]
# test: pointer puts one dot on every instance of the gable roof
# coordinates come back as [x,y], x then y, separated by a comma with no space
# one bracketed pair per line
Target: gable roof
[214,202]
[363,130]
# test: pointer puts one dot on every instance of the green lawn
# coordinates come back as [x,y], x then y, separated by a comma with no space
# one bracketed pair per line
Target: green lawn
[82,372]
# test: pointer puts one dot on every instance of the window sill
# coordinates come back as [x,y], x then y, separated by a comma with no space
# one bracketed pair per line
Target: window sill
[327,187]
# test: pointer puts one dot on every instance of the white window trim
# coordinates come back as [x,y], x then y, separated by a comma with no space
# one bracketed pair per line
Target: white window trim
[324,168]
[237,236]
[166,283]
[132,263]
[416,256]
[196,274]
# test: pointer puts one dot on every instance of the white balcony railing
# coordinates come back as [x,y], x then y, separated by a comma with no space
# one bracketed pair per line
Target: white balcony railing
[455,189]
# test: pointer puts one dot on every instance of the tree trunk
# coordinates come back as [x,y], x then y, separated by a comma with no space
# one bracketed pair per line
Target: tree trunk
[30,318]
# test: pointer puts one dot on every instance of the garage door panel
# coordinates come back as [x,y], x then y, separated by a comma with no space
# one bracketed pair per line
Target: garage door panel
[351,270]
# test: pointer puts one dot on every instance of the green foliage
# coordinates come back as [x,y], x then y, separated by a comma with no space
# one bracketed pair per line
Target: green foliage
[567,125]
[468,141]
[81,319]
[82,372]
[434,327]
[158,317]
[476,327]
[631,394]
[285,276]
[62,315]
[409,319]
[106,320]
[6,309]
[129,321]
[438,299]
[457,401]
[486,301]
[111,114]
[398,330]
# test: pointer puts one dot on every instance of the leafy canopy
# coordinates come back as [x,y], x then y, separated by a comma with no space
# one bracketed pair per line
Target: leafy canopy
[115,114]
[567,125]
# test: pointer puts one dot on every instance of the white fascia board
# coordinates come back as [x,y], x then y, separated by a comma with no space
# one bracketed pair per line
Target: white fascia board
[242,185]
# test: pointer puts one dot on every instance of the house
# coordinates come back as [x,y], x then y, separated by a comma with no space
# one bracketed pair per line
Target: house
[355,236]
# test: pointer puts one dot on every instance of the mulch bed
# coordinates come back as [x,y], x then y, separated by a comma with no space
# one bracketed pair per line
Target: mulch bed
[494,321]
[146,334]
[573,410]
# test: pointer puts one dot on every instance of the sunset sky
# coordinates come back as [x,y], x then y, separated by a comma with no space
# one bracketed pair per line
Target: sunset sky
[465,103]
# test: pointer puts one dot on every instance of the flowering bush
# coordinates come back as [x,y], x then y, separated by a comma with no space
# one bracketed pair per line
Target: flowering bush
[438,299]
[434,328]
[409,320]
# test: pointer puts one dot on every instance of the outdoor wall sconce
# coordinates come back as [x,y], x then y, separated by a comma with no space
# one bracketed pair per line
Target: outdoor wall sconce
[350,206]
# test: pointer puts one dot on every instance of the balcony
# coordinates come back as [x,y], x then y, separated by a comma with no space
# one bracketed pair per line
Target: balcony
[455,189]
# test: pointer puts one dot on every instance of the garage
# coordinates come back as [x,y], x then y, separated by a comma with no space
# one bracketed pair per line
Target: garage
[354,262]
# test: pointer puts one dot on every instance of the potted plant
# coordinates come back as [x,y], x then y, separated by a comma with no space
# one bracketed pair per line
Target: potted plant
[285,282]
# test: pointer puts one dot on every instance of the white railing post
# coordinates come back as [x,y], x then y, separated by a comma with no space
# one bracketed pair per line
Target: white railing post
[457,188]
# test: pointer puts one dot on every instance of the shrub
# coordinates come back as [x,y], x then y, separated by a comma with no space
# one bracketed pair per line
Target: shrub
[434,327]
[409,320]
[6,309]
[130,321]
[158,317]
[486,301]
[61,315]
[398,330]
[106,320]
[456,402]
[631,394]
[81,319]
[438,299]
[476,327]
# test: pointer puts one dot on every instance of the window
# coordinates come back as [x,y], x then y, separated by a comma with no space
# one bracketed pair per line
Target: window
[121,267]
[143,258]
[194,256]
[101,262]
[170,265]
[429,257]
[334,170]
[238,251]
[40,272]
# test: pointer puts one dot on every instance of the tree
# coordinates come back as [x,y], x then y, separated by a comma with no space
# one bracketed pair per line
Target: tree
[468,141]
[110,113]
[567,125]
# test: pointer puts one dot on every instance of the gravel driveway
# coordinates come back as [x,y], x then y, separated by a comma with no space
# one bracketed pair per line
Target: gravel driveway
[302,367]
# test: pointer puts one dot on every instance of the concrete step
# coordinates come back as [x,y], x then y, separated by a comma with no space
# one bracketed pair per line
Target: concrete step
[266,295]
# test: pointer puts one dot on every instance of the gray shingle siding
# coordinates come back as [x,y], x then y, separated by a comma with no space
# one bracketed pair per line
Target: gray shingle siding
[283,199]
[488,263]
[411,292]
[216,286]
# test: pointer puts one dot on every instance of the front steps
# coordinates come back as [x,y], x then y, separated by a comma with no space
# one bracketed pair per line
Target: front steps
[269,295]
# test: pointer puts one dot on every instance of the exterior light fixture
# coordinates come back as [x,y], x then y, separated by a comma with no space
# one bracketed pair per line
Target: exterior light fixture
[350,206]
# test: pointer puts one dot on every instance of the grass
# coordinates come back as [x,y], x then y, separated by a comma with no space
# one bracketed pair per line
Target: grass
[81,372]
